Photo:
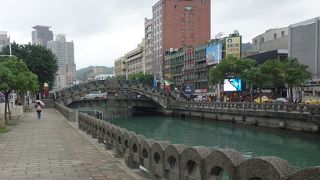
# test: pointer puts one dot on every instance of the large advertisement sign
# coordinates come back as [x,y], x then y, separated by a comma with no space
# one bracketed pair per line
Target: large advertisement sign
[214,54]
[233,47]
[231,85]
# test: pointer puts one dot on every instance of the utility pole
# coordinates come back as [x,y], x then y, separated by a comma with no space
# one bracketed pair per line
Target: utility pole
[10,47]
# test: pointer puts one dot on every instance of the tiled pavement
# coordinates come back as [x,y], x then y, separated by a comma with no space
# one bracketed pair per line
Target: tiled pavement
[53,148]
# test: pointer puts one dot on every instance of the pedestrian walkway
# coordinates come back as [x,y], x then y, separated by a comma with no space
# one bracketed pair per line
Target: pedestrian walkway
[53,148]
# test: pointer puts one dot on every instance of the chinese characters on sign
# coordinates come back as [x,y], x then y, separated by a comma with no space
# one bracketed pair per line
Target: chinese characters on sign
[233,47]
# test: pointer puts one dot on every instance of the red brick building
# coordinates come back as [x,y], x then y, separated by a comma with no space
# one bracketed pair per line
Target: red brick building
[179,23]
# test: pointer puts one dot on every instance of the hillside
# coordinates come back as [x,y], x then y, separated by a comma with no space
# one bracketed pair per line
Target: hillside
[82,74]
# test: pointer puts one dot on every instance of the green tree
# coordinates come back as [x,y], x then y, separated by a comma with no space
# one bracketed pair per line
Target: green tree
[15,76]
[275,71]
[40,60]
[295,74]
[255,78]
[229,68]
[143,78]
[121,77]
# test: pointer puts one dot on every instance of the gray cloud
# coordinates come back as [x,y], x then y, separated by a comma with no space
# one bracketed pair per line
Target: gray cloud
[104,30]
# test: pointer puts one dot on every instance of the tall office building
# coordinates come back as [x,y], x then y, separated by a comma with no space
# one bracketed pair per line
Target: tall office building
[304,44]
[4,39]
[41,35]
[64,51]
[176,24]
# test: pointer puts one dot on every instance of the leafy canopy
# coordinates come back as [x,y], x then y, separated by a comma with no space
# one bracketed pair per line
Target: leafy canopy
[15,75]
[143,78]
[40,60]
[230,68]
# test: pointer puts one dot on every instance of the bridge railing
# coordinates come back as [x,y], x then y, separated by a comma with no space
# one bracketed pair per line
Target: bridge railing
[288,107]
[176,161]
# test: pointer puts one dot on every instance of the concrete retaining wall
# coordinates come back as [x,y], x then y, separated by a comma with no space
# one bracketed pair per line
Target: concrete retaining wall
[290,122]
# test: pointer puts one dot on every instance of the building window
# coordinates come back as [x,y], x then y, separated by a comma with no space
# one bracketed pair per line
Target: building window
[275,35]
[282,33]
[262,40]
[255,41]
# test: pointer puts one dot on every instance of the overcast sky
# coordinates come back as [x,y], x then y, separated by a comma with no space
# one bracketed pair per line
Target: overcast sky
[103,30]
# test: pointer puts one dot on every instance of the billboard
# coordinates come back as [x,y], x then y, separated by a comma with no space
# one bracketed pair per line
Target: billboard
[187,89]
[214,54]
[233,47]
[232,85]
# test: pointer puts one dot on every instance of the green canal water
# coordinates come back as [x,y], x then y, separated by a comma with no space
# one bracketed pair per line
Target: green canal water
[301,150]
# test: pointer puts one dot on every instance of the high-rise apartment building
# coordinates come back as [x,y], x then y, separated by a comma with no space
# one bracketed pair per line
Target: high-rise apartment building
[64,51]
[134,60]
[178,24]
[120,66]
[41,35]
[148,46]
[4,39]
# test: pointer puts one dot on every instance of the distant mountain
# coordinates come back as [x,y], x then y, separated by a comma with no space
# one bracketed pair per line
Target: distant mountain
[246,47]
[82,74]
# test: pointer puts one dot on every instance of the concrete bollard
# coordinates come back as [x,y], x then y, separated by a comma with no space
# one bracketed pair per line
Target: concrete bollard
[220,161]
[145,153]
[265,168]
[119,142]
[136,146]
[172,157]
[312,173]
[107,138]
[192,159]
[157,160]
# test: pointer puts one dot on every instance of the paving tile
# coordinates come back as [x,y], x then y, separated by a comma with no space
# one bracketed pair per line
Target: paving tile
[53,148]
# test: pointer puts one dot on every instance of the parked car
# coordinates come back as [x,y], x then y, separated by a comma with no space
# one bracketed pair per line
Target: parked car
[313,102]
[281,100]
[263,99]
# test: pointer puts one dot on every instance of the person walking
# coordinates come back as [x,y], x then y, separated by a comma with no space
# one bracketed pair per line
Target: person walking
[38,109]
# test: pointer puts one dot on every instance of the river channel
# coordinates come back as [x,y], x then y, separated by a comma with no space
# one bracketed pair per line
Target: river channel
[300,149]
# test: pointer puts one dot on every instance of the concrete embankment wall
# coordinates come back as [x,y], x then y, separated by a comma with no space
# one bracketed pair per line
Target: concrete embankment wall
[164,160]
[280,120]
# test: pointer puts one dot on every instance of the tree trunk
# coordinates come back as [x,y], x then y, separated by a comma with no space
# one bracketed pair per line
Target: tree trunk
[22,99]
[291,93]
[260,93]
[6,106]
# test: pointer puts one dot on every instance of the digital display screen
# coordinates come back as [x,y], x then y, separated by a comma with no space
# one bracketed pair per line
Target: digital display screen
[232,85]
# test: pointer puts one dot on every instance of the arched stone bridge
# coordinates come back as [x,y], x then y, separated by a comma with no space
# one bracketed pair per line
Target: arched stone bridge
[69,95]
[296,117]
